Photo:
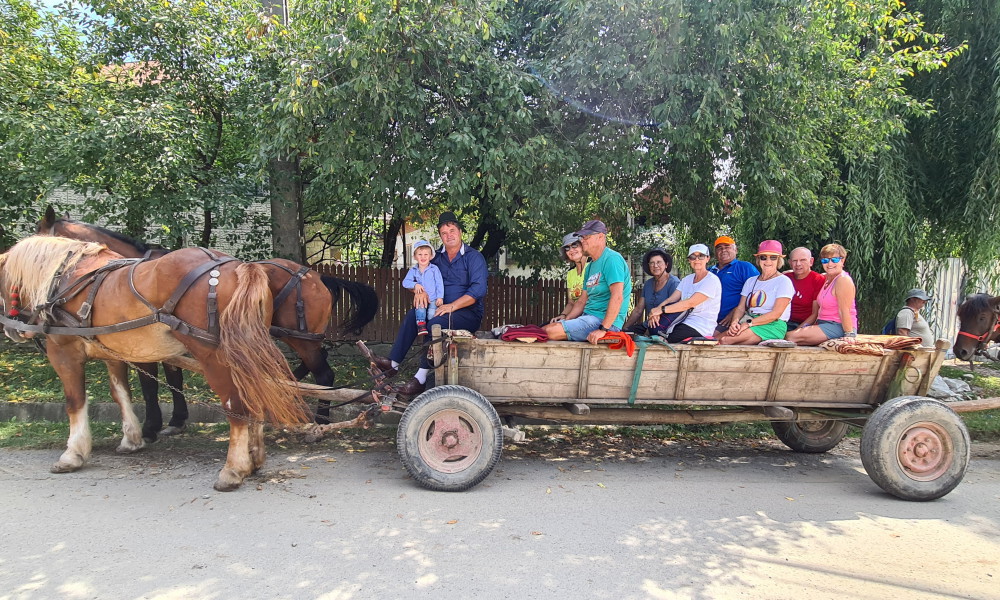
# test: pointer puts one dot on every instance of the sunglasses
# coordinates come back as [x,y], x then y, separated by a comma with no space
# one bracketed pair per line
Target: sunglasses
[834,260]
[767,257]
[697,257]
[573,245]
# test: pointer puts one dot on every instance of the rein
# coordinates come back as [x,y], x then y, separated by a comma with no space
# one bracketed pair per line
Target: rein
[986,336]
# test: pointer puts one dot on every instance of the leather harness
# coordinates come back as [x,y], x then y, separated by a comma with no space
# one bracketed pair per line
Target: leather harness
[53,319]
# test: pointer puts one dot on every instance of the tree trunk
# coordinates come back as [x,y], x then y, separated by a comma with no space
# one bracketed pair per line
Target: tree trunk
[206,230]
[287,231]
[389,241]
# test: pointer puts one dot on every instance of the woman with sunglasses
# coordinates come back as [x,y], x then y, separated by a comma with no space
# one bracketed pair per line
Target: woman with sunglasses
[701,292]
[765,301]
[657,264]
[572,252]
[834,311]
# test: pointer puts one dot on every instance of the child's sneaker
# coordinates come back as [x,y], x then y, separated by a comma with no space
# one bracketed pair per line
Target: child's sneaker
[422,328]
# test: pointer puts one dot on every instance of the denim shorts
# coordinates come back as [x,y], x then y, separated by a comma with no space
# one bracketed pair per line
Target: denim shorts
[831,329]
[578,328]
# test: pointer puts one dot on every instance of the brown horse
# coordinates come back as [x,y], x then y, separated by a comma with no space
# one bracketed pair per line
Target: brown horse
[979,324]
[51,281]
[304,302]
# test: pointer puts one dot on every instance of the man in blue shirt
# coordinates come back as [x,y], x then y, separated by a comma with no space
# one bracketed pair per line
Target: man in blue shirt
[464,272]
[732,273]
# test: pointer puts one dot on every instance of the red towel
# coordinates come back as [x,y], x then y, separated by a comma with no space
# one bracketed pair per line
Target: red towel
[524,331]
[621,340]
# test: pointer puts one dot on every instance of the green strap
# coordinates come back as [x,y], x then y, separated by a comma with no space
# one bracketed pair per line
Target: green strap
[642,344]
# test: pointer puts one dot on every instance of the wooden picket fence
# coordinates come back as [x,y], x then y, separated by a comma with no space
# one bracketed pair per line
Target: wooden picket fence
[508,300]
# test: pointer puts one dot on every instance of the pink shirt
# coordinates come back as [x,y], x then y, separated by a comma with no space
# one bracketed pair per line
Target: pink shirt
[828,310]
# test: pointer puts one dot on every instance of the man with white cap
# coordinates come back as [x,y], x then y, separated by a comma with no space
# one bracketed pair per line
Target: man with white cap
[910,322]
[601,307]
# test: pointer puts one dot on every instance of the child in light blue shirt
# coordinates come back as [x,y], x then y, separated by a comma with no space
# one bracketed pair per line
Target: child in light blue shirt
[426,277]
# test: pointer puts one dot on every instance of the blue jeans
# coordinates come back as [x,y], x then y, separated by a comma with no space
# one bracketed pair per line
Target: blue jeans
[463,318]
[425,314]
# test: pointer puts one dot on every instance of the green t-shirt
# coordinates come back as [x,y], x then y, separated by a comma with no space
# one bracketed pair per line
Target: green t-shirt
[609,269]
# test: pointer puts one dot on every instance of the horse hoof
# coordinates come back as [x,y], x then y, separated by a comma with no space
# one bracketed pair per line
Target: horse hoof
[126,448]
[228,481]
[64,467]
[172,430]
[149,438]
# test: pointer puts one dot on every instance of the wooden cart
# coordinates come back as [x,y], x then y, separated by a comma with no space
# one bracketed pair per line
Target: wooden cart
[914,447]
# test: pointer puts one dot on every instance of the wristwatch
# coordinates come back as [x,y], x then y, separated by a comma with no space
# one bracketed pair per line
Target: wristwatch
[850,334]
[602,327]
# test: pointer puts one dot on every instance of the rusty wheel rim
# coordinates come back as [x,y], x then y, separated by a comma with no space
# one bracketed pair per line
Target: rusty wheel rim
[925,451]
[813,426]
[450,441]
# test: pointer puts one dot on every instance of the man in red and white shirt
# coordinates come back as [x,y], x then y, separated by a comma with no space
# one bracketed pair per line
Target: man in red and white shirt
[807,284]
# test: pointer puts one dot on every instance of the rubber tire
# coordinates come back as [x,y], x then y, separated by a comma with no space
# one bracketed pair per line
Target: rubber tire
[425,406]
[812,442]
[883,433]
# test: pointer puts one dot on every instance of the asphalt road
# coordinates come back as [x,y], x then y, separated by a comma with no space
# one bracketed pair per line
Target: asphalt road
[690,521]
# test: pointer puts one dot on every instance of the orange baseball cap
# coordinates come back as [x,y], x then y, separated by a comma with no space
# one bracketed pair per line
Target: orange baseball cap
[724,239]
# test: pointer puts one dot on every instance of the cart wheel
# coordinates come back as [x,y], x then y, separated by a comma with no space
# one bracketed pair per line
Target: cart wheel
[810,436]
[449,438]
[915,448]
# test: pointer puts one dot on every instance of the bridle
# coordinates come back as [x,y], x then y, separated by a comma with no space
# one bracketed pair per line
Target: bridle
[980,339]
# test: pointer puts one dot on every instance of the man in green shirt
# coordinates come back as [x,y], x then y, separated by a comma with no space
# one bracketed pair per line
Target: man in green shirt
[602,306]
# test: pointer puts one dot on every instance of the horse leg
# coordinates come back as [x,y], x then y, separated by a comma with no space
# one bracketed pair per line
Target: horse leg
[314,357]
[68,365]
[122,394]
[258,454]
[238,459]
[151,395]
[175,379]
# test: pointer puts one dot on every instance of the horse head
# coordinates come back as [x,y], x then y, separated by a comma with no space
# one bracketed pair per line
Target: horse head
[10,305]
[979,324]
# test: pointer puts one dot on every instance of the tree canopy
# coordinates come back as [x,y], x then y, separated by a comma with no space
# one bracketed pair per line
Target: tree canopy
[867,122]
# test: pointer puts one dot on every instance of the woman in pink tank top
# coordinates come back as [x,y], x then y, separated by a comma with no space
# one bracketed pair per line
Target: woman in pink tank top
[835,313]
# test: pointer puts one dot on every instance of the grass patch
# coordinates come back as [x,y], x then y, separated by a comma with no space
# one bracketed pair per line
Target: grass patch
[45,435]
[984,426]
[27,376]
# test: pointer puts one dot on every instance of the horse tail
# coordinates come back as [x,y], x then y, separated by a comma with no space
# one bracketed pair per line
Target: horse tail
[363,296]
[259,370]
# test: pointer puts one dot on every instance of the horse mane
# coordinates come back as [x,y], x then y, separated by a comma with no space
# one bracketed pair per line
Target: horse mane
[973,306]
[33,262]
[140,246]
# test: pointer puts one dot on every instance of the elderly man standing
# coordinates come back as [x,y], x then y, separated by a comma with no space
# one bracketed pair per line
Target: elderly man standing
[732,273]
[807,284]
[910,322]
[464,273]
[601,307]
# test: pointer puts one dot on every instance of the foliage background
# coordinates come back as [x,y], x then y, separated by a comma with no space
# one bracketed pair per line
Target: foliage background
[871,123]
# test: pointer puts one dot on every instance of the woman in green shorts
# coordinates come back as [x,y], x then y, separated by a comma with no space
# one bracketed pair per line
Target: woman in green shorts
[766,301]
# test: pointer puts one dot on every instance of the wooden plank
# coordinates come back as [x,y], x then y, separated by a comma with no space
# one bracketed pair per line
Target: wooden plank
[638,416]
[582,391]
[835,389]
[728,361]
[726,386]
[934,365]
[831,363]
[883,378]
[506,400]
[772,386]
[531,383]
[965,406]
[441,372]
[681,376]
[618,384]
